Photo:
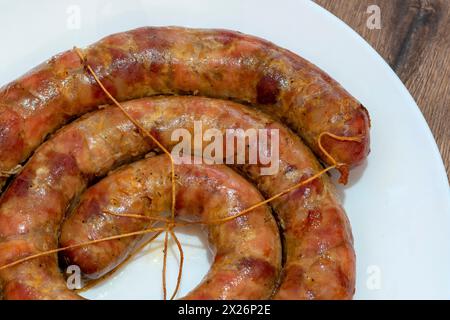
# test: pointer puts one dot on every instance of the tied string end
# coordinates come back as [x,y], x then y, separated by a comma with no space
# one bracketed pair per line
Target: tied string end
[343,168]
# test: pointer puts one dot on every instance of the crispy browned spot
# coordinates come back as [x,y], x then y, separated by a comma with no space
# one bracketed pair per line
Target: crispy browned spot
[89,208]
[226,37]
[10,138]
[256,268]
[61,163]
[158,38]
[267,89]
[20,186]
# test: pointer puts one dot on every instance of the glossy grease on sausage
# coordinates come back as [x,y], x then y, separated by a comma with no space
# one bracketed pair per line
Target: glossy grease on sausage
[170,60]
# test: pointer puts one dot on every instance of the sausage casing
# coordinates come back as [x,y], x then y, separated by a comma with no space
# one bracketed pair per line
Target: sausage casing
[170,60]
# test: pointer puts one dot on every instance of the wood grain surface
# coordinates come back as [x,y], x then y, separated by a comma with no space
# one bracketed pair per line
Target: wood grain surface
[414,38]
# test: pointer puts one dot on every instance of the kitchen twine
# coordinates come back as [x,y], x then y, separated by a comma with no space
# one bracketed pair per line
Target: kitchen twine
[171,223]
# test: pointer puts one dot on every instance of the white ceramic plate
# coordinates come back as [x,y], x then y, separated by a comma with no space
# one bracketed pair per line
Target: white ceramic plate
[398,203]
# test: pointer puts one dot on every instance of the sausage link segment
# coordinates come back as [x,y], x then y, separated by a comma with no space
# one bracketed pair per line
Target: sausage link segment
[320,261]
[171,60]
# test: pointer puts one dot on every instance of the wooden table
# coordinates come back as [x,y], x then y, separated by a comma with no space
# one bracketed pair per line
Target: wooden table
[414,38]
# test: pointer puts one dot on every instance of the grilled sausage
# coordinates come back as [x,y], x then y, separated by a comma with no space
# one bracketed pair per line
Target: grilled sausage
[171,60]
[320,261]
[247,250]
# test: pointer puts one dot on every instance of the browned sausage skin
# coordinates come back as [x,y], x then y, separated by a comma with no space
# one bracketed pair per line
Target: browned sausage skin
[247,250]
[320,261]
[171,60]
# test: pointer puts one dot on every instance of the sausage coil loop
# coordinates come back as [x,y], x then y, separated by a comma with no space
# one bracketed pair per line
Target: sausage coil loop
[319,260]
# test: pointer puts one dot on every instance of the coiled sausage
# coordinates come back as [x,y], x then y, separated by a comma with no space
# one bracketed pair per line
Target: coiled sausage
[247,250]
[320,260]
[171,60]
